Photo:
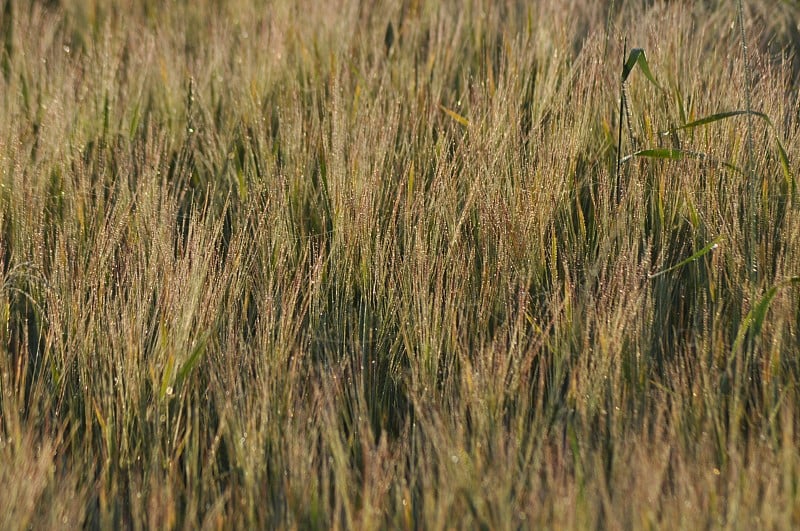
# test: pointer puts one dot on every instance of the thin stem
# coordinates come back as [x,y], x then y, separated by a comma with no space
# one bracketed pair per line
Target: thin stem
[753,201]
[747,87]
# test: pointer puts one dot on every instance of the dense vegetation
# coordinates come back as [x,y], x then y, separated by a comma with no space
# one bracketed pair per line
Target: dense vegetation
[368,265]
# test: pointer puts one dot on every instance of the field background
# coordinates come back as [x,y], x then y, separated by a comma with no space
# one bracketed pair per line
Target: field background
[306,264]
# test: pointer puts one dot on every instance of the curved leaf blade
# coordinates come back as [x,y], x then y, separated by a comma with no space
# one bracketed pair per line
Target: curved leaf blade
[699,254]
[638,57]
[678,154]
[788,175]
[754,319]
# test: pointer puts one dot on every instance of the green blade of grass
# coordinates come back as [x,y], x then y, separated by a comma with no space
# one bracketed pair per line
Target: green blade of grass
[678,154]
[699,254]
[637,57]
[165,378]
[754,319]
[7,30]
[710,119]
[664,153]
[191,361]
[788,175]
[787,171]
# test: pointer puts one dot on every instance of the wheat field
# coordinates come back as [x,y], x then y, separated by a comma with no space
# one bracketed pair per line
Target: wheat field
[404,265]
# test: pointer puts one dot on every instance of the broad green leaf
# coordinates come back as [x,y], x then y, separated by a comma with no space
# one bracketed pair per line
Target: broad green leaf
[699,254]
[637,57]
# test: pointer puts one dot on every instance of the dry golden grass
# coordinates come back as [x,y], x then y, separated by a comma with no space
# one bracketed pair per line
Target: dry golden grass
[264,266]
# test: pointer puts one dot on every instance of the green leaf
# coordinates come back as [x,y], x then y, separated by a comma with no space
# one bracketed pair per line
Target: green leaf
[664,153]
[7,30]
[787,171]
[784,158]
[711,119]
[722,116]
[191,361]
[754,319]
[699,254]
[637,57]
[678,154]
[165,377]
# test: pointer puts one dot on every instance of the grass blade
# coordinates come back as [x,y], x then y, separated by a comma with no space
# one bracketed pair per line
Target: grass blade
[699,254]
[637,57]
[664,153]
[788,175]
[754,319]
[679,154]
[787,172]
[191,361]
[7,30]
[721,116]
[455,116]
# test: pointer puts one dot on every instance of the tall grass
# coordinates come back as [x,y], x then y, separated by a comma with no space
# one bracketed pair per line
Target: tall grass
[263,266]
